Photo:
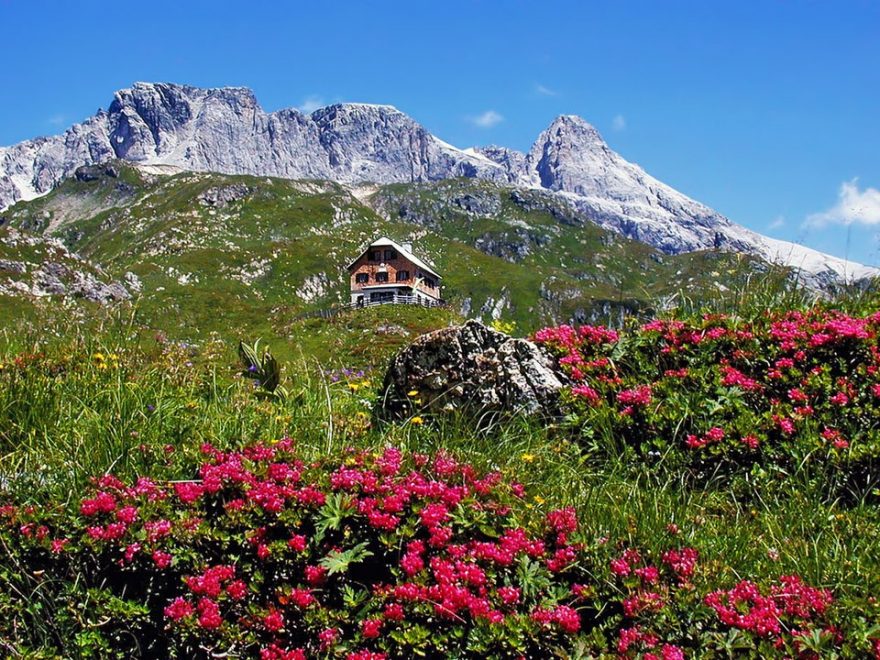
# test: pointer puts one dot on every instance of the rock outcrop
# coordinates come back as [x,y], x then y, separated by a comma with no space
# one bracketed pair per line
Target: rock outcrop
[55,271]
[474,370]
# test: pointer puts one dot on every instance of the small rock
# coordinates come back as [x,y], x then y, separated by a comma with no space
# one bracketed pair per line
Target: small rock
[219,197]
[10,266]
[392,330]
[133,282]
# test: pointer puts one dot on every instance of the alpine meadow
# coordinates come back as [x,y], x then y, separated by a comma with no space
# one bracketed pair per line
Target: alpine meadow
[313,382]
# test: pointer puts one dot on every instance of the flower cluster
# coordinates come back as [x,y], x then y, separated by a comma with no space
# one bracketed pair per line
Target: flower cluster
[376,555]
[776,388]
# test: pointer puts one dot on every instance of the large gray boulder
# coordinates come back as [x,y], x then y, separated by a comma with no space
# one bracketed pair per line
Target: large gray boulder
[474,370]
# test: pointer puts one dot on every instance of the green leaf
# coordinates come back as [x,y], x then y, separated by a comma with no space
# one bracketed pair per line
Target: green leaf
[338,561]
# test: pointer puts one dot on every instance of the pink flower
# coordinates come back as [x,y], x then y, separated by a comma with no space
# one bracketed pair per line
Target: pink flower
[103,502]
[672,652]
[297,543]
[411,563]
[648,574]
[434,514]
[567,618]
[393,612]
[563,520]
[179,608]
[237,589]
[751,441]
[188,491]
[127,514]
[209,614]
[275,652]
[620,567]
[58,545]
[731,377]
[683,562]
[156,529]
[639,396]
[839,399]
[785,425]
[642,601]
[274,621]
[370,628]
[161,559]
[586,392]
[509,595]
[302,598]
[131,550]
[315,575]
[328,637]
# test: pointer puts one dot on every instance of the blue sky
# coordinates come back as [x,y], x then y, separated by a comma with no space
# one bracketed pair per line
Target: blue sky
[767,111]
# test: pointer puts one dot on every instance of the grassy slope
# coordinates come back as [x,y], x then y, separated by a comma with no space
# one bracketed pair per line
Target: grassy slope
[67,415]
[236,269]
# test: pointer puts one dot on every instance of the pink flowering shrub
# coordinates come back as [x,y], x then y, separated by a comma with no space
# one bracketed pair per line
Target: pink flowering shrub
[785,388]
[386,556]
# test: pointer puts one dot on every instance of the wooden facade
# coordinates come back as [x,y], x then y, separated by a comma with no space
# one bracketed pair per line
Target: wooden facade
[387,272]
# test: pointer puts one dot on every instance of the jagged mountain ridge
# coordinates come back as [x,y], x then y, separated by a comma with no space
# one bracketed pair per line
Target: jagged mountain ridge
[225,130]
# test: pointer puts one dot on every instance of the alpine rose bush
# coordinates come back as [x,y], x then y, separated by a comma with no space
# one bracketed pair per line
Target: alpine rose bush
[723,392]
[389,555]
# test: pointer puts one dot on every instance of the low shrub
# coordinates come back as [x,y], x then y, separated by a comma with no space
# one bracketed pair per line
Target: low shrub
[379,555]
[722,395]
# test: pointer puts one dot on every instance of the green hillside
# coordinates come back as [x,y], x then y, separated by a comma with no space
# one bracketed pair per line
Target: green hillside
[252,255]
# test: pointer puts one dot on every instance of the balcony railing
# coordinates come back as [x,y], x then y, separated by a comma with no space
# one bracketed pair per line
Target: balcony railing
[395,300]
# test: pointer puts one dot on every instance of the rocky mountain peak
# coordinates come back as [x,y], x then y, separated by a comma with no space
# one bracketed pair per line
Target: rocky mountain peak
[354,110]
[567,150]
[575,127]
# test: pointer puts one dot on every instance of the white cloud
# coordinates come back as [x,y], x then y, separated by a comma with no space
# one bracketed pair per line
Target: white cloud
[487,119]
[853,206]
[311,104]
[777,223]
[545,91]
[618,123]
[57,120]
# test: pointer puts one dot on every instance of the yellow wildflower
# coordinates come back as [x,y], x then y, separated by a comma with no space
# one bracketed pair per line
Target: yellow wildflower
[98,357]
[417,420]
[412,393]
[354,387]
[528,458]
